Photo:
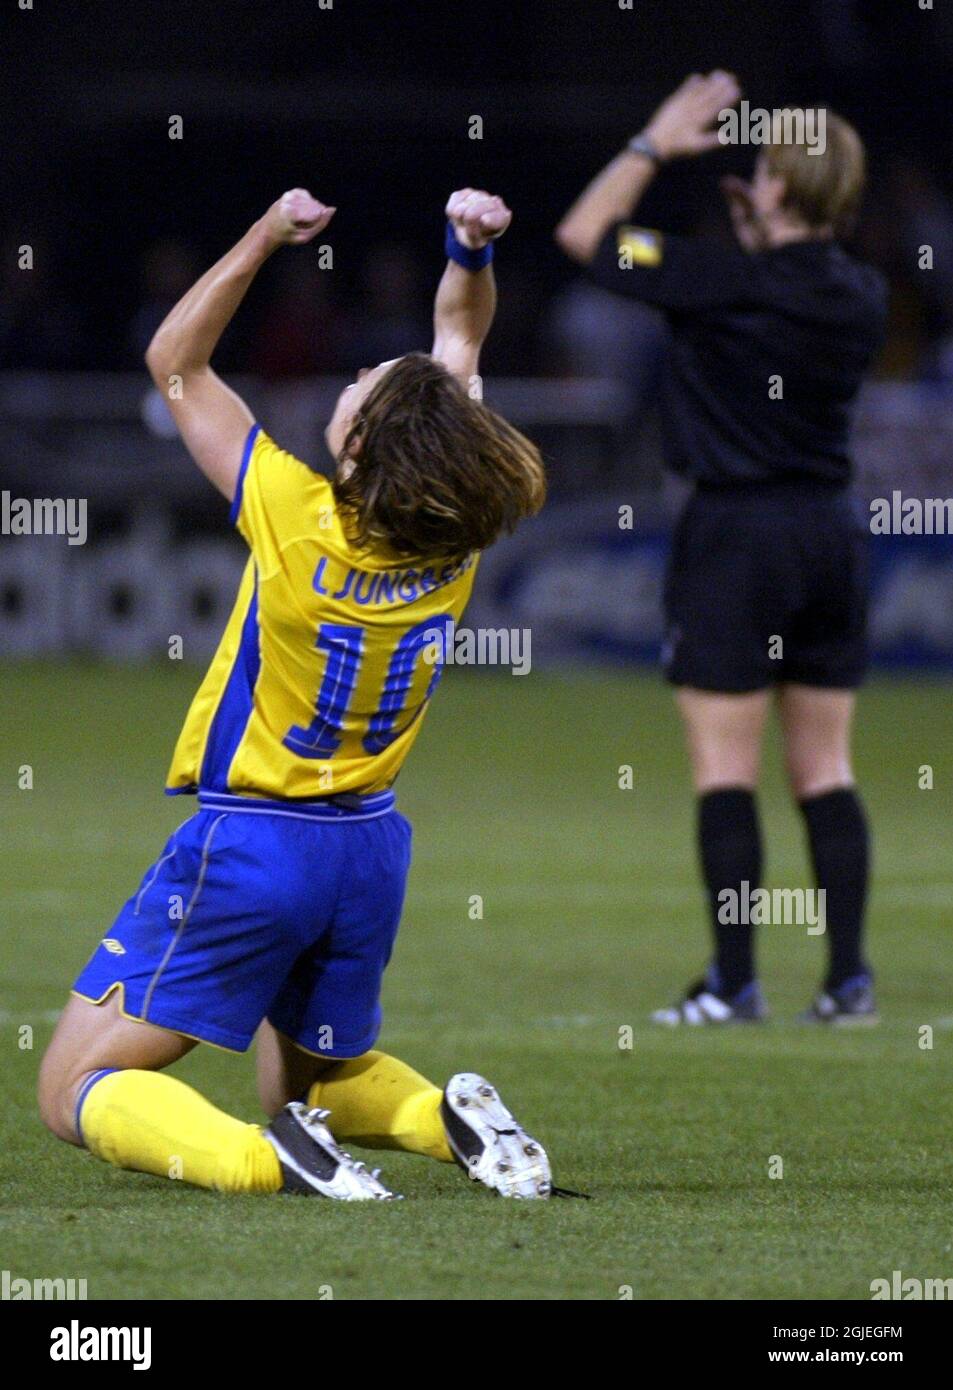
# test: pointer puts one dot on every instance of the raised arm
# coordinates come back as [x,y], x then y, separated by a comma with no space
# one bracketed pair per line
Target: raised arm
[466,296]
[681,126]
[212,420]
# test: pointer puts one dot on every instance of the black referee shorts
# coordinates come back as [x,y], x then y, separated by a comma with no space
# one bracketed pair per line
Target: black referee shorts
[767,582]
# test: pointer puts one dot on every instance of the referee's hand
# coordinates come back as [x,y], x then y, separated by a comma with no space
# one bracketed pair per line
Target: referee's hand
[682,125]
[743,212]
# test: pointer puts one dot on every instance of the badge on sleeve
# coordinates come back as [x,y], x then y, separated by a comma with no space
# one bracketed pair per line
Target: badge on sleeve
[638,246]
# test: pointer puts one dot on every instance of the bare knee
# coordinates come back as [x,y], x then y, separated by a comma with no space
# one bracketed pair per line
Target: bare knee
[276,1091]
[284,1071]
[723,734]
[88,1038]
[66,1064]
[816,762]
[272,1095]
[814,775]
[816,726]
[57,1091]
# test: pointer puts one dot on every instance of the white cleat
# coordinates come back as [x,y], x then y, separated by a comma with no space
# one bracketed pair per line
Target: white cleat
[314,1165]
[489,1144]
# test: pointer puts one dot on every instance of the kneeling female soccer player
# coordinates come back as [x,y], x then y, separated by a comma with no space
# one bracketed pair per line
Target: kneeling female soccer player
[274,908]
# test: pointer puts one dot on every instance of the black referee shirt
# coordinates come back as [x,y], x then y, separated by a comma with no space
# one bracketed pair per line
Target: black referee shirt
[769,349]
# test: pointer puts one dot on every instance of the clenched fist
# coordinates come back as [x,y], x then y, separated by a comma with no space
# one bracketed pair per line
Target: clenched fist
[296,218]
[478,217]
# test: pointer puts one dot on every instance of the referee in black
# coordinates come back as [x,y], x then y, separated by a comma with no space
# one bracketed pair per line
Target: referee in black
[767,591]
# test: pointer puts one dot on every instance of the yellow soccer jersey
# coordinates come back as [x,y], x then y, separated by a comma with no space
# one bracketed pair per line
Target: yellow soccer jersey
[325,669]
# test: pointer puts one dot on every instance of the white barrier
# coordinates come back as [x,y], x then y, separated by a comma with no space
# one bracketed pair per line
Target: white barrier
[204,579]
[123,601]
[33,585]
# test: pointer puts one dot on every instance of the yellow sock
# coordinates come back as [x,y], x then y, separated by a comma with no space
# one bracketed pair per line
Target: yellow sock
[156,1124]
[381,1103]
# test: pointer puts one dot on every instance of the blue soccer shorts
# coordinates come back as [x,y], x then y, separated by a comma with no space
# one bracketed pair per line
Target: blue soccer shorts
[261,910]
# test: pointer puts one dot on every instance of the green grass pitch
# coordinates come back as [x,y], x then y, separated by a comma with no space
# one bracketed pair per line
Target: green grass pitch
[592,916]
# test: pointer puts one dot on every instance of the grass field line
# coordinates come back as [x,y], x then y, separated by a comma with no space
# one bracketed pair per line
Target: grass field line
[891,1028]
[919,894]
[59,907]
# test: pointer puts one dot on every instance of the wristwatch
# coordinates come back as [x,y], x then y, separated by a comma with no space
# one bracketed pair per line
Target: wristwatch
[641,144]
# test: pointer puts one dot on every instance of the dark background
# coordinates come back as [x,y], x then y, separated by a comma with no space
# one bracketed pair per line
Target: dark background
[367,104]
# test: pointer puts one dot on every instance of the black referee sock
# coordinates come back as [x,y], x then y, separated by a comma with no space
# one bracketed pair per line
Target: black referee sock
[730,845]
[840,849]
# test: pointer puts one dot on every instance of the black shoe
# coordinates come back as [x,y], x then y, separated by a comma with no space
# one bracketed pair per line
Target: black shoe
[703,1005]
[851,1005]
[312,1163]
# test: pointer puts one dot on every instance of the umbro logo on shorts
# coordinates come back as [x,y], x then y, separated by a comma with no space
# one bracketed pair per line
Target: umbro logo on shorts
[116,947]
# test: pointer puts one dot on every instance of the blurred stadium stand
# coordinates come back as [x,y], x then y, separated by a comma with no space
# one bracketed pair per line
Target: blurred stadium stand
[371,105]
[161,562]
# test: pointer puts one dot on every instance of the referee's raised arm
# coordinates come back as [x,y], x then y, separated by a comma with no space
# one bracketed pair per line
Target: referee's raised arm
[682,126]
